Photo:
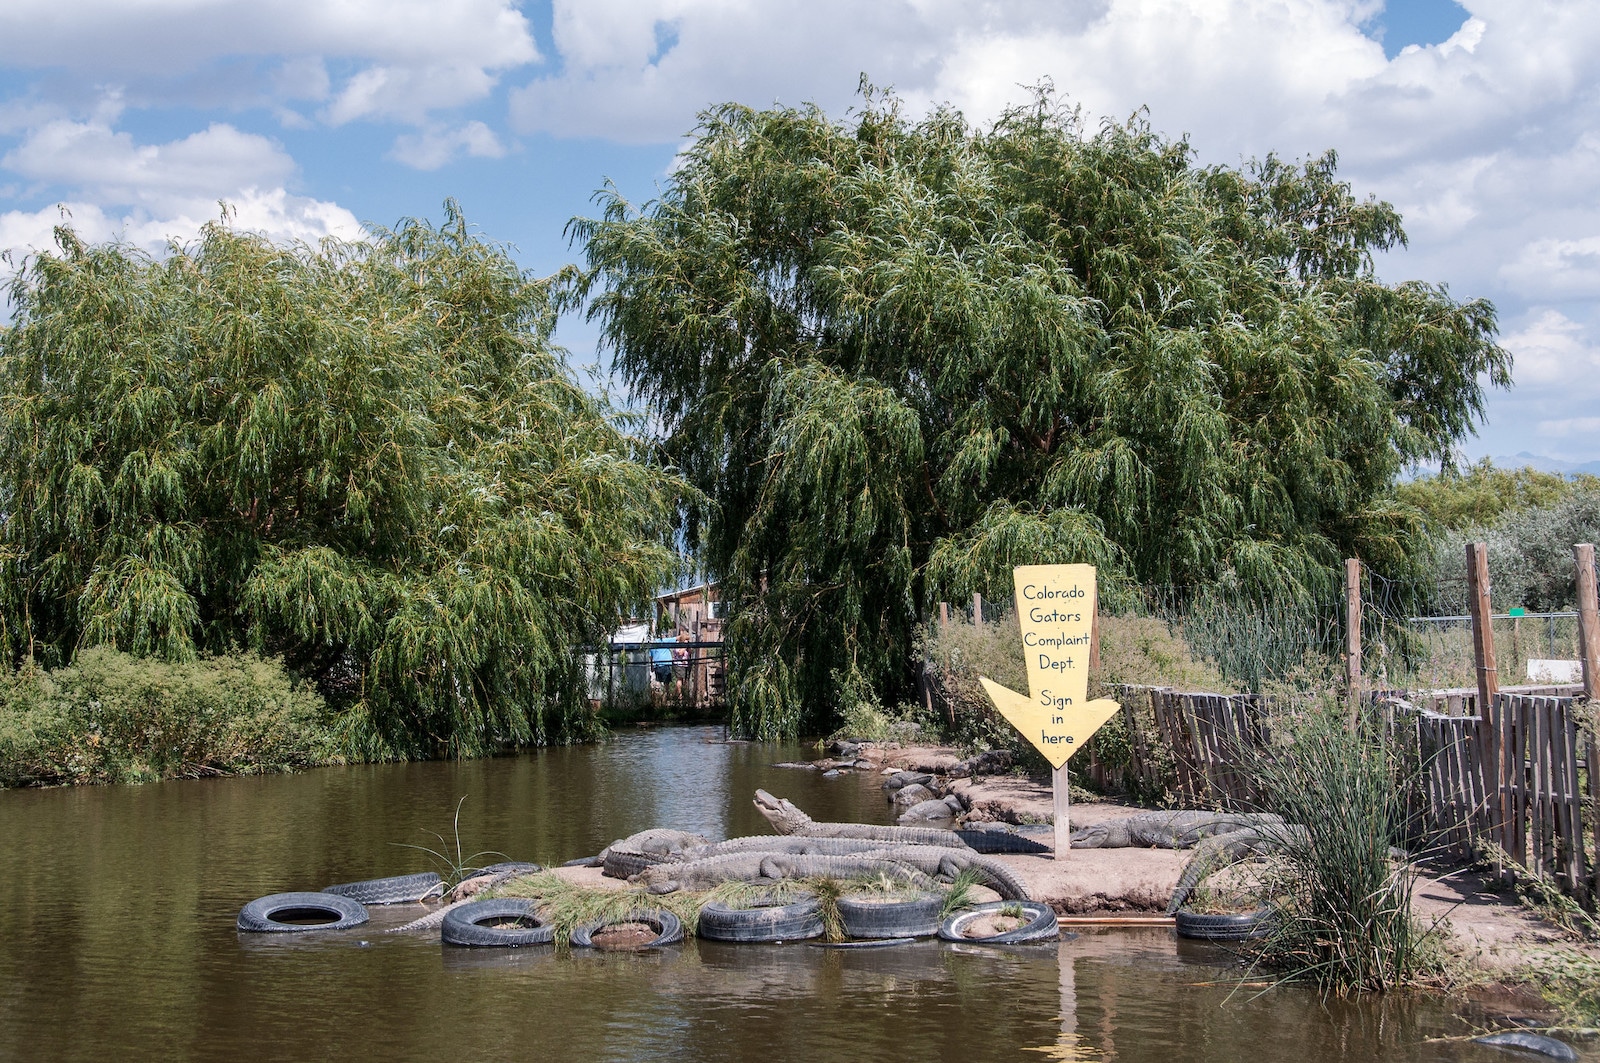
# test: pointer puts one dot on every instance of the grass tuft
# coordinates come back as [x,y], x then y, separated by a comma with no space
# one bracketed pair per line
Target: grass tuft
[1345,918]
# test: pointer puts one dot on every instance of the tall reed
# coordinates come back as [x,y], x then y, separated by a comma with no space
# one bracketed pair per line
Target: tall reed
[1345,919]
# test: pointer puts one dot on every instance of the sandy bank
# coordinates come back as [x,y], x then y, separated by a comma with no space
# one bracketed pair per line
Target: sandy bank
[1485,927]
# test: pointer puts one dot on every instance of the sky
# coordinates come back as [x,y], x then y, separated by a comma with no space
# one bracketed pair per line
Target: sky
[1480,121]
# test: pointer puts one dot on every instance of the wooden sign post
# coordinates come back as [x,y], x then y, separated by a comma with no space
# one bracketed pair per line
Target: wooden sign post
[1056,606]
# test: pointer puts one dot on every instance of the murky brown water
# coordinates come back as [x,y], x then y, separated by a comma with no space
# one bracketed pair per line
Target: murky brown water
[117,938]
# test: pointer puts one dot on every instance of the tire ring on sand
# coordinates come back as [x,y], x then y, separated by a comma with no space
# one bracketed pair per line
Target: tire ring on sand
[1233,927]
[916,916]
[668,928]
[762,919]
[1040,925]
[397,889]
[466,925]
[268,915]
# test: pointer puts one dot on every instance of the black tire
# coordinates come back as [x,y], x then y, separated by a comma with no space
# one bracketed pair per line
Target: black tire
[763,919]
[1233,927]
[466,925]
[271,914]
[398,889]
[668,928]
[1041,925]
[917,916]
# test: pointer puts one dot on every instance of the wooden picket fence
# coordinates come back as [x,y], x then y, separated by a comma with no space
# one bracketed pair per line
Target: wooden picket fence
[1198,747]
[1536,813]
[1208,741]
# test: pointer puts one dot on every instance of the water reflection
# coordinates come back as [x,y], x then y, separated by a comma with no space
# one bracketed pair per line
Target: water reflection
[117,939]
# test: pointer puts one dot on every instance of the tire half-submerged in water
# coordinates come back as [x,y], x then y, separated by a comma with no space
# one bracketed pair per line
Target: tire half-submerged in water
[293,913]
[869,916]
[397,889]
[481,924]
[763,919]
[1038,924]
[668,928]
[1240,926]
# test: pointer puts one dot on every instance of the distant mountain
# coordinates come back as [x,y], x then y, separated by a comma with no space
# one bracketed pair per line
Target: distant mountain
[1544,464]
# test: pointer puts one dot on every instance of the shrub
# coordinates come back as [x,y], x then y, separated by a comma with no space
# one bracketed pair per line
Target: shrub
[110,717]
[1345,921]
[1134,650]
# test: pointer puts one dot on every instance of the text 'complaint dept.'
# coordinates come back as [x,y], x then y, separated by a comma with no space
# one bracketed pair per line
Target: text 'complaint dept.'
[1038,643]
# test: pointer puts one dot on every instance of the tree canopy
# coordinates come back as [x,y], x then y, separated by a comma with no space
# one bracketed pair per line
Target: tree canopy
[899,356]
[364,457]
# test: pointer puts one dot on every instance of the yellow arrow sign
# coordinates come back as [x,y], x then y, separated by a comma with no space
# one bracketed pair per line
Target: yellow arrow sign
[1056,605]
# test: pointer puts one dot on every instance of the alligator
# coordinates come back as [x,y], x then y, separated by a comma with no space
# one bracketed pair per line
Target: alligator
[786,818]
[1220,850]
[465,890]
[946,863]
[626,856]
[757,867]
[799,844]
[921,863]
[1178,829]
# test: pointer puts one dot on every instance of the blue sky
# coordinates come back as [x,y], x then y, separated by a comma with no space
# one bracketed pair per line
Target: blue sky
[1479,120]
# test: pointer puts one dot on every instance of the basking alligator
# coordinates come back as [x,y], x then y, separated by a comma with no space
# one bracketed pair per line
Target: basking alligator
[917,863]
[1220,850]
[788,819]
[800,845]
[759,867]
[1178,829]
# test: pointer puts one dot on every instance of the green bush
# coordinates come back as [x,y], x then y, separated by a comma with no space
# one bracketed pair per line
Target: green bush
[1530,555]
[1345,918]
[1144,651]
[111,717]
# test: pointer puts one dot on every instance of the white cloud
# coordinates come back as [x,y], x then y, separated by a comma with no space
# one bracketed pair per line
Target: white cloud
[274,213]
[149,194]
[1558,388]
[1554,351]
[108,166]
[1570,426]
[432,148]
[410,57]
[1555,268]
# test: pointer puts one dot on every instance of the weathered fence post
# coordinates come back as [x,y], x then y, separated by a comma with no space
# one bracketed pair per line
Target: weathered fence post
[1478,601]
[1352,638]
[1588,621]
[944,615]
[1589,653]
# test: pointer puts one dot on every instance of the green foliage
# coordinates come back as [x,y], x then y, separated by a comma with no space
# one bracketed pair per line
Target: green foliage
[1483,494]
[365,458]
[1345,919]
[899,357]
[1530,554]
[1148,651]
[109,717]
[1135,650]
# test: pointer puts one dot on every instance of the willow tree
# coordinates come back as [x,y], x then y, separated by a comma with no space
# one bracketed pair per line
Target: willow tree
[365,457]
[897,357]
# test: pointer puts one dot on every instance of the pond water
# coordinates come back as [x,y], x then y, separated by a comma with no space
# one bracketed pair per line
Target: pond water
[117,939]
